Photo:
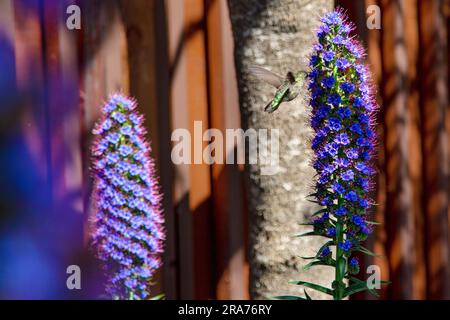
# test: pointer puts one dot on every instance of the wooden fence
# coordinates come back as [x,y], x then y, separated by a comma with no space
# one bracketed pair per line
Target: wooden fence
[409,57]
[176,58]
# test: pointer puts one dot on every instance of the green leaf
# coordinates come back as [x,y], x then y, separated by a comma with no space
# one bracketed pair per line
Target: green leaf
[355,288]
[385,282]
[158,297]
[307,295]
[306,224]
[367,251]
[317,263]
[289,298]
[311,195]
[362,283]
[374,222]
[311,233]
[362,286]
[318,212]
[312,286]
[309,258]
[326,244]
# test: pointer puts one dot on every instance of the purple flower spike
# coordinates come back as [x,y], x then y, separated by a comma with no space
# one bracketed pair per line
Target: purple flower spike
[128,234]
[343,106]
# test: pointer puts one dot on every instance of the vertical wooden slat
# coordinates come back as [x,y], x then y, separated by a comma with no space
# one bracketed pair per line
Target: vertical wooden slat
[356,11]
[30,79]
[148,86]
[400,201]
[166,170]
[63,116]
[377,242]
[372,38]
[105,69]
[229,213]
[138,18]
[407,74]
[63,102]
[446,11]
[200,188]
[69,48]
[7,20]
[181,172]
[434,104]
[53,86]
[28,36]
[415,166]
[396,55]
[105,55]
[192,189]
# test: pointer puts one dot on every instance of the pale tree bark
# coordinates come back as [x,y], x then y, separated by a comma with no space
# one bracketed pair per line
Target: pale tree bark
[278,34]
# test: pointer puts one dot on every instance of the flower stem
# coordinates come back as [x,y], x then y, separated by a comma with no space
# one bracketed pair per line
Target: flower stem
[338,284]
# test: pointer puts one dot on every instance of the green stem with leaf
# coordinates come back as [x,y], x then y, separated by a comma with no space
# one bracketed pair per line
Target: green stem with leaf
[341,262]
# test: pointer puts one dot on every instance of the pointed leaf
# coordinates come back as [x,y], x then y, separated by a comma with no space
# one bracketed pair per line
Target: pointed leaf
[326,244]
[309,258]
[362,286]
[362,283]
[311,233]
[374,222]
[158,297]
[311,195]
[288,298]
[307,295]
[317,263]
[318,212]
[357,287]
[367,251]
[312,286]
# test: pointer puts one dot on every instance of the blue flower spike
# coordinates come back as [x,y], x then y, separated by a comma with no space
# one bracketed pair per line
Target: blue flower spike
[128,231]
[343,119]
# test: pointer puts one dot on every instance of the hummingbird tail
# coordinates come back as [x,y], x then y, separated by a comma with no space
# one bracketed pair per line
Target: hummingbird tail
[270,108]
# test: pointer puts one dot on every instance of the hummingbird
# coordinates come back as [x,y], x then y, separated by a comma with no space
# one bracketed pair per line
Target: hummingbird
[288,87]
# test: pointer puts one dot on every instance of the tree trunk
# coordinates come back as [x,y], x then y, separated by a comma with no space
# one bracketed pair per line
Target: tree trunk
[278,34]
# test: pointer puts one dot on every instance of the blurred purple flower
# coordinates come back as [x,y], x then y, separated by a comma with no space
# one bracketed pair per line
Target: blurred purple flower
[129,231]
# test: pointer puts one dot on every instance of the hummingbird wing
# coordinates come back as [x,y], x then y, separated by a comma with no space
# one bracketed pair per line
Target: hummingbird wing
[266,75]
